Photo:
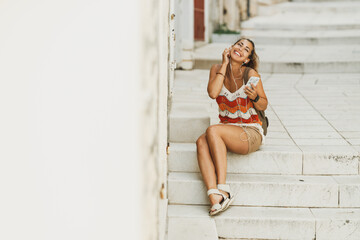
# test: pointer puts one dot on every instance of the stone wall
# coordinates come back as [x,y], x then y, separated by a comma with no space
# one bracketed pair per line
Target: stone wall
[83,119]
[154,82]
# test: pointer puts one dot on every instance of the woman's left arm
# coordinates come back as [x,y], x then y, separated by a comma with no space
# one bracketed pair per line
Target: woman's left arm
[258,90]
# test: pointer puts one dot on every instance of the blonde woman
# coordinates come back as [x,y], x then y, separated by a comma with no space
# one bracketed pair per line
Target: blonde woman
[241,128]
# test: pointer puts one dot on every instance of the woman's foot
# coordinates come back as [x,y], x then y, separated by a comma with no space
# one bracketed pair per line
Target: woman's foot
[215,198]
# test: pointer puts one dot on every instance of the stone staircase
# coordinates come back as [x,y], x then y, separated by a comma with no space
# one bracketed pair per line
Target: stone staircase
[304,38]
[304,183]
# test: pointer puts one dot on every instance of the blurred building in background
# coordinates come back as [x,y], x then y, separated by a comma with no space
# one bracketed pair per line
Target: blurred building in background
[196,22]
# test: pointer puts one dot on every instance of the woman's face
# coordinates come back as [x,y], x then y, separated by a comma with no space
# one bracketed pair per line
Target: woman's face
[241,51]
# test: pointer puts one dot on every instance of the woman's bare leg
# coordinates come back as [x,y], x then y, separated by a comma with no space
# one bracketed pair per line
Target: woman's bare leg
[211,153]
[205,162]
[207,167]
[222,138]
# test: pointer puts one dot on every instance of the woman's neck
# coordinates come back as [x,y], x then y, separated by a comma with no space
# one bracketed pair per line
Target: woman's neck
[235,69]
[235,66]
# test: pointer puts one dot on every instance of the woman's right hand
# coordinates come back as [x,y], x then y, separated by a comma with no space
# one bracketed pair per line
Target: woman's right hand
[226,56]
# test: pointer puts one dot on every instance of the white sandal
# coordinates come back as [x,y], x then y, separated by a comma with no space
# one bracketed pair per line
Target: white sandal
[226,188]
[218,207]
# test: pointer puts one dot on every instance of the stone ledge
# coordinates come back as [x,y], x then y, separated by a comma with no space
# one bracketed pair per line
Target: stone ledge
[289,59]
[276,37]
[182,121]
[293,66]
[272,159]
[335,7]
[259,190]
[276,223]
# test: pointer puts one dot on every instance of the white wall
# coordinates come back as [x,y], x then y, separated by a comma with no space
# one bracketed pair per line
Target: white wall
[70,141]
[154,81]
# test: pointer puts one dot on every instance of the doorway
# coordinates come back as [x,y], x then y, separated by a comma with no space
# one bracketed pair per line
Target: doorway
[199,20]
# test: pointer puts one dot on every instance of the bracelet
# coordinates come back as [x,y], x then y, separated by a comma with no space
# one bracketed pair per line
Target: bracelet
[257,98]
[221,74]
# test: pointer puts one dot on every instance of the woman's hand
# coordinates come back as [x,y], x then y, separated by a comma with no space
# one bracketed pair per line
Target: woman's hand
[226,56]
[251,93]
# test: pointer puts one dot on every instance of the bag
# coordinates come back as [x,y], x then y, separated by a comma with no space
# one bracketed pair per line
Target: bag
[261,114]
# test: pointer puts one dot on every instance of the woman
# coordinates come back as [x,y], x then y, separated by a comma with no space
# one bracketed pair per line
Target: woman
[240,129]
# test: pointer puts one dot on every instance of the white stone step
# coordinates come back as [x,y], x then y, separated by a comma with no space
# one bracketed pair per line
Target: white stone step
[310,65]
[270,2]
[303,21]
[324,1]
[305,37]
[294,122]
[263,223]
[275,159]
[187,126]
[267,190]
[268,160]
[327,160]
[291,59]
[337,223]
[330,8]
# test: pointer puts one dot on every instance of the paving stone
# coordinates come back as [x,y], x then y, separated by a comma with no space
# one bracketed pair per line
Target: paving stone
[280,142]
[321,142]
[354,141]
[283,135]
[301,122]
[323,128]
[319,135]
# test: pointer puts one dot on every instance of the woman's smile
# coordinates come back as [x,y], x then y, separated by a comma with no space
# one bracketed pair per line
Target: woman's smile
[237,53]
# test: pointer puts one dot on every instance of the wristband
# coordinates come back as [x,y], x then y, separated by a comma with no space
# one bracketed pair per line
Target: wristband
[257,98]
[221,74]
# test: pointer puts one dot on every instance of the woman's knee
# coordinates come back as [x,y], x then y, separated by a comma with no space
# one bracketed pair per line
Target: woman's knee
[201,142]
[212,131]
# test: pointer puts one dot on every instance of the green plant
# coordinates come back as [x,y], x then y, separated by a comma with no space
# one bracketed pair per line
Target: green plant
[223,29]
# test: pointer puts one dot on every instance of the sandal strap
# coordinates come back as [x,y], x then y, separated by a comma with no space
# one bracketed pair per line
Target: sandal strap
[213,191]
[225,188]
[216,191]
[215,207]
